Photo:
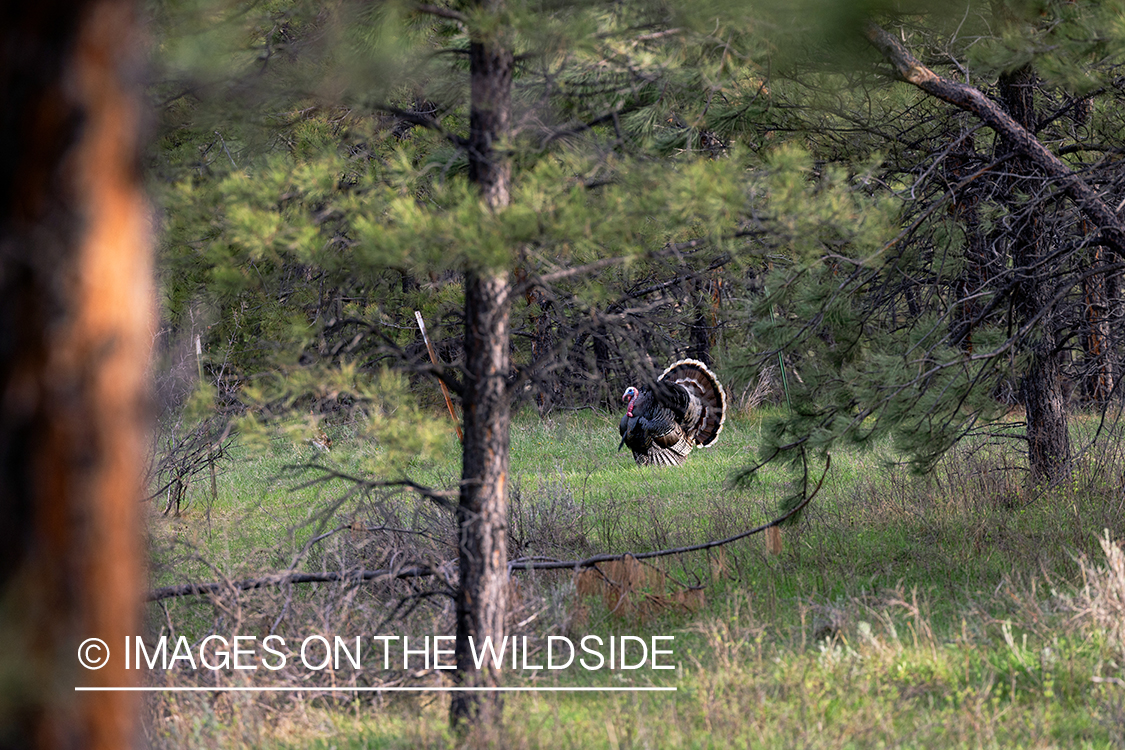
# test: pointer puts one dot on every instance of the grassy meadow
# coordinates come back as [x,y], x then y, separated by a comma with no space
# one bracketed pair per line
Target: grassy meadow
[959,609]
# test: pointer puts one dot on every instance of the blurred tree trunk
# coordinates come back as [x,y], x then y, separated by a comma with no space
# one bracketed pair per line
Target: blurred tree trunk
[482,513]
[75,331]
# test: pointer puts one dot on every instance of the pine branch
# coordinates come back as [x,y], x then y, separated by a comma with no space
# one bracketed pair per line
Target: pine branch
[442,12]
[909,69]
[425,121]
[579,128]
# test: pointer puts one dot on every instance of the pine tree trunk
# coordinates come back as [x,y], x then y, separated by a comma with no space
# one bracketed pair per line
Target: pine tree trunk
[75,329]
[699,334]
[976,275]
[543,349]
[607,395]
[1098,364]
[482,515]
[1041,389]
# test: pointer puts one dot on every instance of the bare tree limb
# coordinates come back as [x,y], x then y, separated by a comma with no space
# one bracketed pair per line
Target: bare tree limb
[443,499]
[425,121]
[282,579]
[911,70]
[423,571]
[670,249]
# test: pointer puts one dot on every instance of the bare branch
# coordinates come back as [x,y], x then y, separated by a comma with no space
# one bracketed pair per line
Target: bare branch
[425,121]
[443,499]
[424,571]
[566,273]
[282,579]
[668,250]
[970,99]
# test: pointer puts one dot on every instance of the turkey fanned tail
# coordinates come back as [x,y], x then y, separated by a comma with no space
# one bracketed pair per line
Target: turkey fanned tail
[685,409]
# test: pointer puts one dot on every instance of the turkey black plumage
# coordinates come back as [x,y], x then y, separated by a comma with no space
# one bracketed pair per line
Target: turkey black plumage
[684,409]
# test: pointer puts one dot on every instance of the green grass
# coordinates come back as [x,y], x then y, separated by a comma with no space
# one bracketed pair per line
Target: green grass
[941,611]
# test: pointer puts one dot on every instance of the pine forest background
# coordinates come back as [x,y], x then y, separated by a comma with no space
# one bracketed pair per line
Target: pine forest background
[893,229]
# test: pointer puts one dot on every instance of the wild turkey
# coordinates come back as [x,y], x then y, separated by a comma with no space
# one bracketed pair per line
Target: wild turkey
[685,408]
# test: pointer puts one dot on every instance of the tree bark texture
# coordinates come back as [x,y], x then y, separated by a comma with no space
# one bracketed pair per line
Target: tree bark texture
[1041,389]
[547,385]
[75,330]
[1099,364]
[608,395]
[979,267]
[705,301]
[482,513]
[490,114]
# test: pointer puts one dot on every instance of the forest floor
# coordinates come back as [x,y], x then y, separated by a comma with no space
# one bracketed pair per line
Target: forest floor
[957,609]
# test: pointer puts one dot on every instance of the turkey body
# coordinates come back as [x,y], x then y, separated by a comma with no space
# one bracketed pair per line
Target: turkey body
[685,409]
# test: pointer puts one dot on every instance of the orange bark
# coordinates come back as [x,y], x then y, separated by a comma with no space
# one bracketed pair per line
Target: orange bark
[72,383]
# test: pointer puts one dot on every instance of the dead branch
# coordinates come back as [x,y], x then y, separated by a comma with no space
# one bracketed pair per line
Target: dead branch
[423,571]
[442,499]
[437,364]
[282,579]
[909,69]
[442,12]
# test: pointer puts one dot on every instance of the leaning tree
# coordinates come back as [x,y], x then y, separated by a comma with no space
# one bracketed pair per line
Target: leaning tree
[998,287]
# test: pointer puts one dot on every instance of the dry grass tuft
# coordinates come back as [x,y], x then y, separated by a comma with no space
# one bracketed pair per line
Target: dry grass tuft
[1102,598]
[633,589]
[773,541]
[760,390]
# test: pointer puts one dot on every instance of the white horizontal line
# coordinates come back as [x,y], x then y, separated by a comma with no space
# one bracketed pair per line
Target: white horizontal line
[233,689]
